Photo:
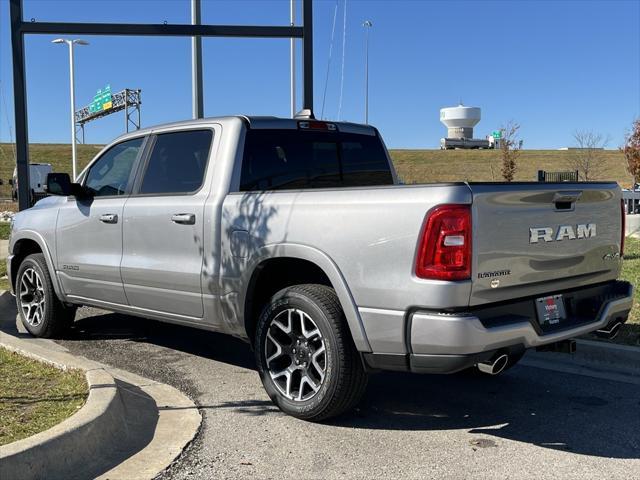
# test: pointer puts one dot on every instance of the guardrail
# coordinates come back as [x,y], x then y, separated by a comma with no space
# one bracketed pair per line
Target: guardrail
[631,200]
[544,176]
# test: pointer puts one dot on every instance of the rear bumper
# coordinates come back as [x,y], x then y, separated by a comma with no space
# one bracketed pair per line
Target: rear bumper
[446,343]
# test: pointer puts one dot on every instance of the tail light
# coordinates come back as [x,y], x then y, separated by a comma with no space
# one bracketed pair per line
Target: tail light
[316,125]
[444,251]
[623,225]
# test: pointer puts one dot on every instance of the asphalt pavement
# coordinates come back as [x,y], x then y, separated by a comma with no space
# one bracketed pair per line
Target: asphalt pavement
[527,423]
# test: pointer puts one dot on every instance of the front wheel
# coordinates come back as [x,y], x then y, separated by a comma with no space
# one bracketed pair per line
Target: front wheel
[42,314]
[306,358]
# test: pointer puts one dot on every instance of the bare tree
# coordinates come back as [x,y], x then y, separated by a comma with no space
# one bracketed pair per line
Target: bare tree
[588,159]
[631,152]
[510,147]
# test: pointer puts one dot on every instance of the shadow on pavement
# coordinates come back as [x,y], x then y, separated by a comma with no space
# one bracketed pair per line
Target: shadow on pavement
[577,414]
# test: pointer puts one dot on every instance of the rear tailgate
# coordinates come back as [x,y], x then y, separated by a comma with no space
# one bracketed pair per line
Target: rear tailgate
[538,238]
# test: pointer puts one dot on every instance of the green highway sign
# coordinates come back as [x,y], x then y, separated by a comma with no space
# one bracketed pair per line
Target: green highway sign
[497,134]
[101,100]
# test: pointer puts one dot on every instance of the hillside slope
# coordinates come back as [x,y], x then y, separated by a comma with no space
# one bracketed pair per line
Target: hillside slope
[419,166]
[414,166]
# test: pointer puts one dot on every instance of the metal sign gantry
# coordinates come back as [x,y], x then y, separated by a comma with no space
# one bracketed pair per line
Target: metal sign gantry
[128,100]
[20,28]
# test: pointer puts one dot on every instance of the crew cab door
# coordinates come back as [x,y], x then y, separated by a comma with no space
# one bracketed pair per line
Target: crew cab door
[164,226]
[89,232]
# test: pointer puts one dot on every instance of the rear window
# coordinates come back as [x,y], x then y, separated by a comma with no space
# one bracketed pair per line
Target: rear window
[293,159]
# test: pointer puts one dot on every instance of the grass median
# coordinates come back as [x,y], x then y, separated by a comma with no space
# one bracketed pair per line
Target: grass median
[35,396]
[4,231]
[4,282]
[630,332]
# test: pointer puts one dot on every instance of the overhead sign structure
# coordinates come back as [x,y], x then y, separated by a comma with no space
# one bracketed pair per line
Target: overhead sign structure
[106,102]
[20,28]
[101,100]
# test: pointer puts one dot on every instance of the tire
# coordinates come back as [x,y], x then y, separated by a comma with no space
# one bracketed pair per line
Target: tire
[46,317]
[327,381]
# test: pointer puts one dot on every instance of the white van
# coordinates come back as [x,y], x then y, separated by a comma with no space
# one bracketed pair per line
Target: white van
[37,178]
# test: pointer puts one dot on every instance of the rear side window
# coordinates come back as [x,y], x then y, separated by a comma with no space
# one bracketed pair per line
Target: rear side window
[293,159]
[109,175]
[177,162]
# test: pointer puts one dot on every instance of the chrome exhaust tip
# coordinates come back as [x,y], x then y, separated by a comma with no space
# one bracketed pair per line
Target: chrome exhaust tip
[610,331]
[495,366]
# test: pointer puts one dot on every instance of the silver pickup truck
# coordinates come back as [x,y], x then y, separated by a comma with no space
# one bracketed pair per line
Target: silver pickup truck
[296,235]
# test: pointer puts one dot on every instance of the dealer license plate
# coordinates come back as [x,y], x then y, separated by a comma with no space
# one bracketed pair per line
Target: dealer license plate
[550,310]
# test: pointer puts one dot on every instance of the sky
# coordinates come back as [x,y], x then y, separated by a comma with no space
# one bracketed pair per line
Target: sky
[554,67]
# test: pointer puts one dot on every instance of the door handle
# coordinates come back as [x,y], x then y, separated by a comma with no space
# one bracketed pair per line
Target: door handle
[109,218]
[184,218]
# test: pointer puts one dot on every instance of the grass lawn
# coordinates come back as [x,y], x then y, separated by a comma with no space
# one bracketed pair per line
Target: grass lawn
[429,166]
[4,231]
[58,155]
[630,333]
[35,396]
[4,283]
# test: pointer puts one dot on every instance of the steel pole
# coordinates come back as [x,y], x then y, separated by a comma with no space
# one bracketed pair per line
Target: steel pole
[20,106]
[292,58]
[367,26]
[366,82]
[196,63]
[73,109]
[307,55]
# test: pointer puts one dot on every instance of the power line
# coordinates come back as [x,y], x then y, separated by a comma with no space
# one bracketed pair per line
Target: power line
[326,80]
[6,109]
[344,44]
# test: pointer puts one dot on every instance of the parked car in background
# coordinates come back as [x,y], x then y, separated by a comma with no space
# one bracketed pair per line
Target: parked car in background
[37,179]
[294,235]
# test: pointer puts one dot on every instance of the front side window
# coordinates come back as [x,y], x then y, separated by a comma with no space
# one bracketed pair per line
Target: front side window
[110,174]
[177,162]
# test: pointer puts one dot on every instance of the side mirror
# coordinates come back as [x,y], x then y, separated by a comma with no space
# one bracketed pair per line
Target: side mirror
[11,182]
[60,184]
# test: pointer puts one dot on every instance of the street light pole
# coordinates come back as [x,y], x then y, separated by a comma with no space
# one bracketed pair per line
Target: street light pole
[367,25]
[71,43]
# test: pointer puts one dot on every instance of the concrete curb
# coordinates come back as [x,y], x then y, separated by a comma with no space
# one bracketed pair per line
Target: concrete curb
[55,451]
[626,356]
[605,360]
[123,410]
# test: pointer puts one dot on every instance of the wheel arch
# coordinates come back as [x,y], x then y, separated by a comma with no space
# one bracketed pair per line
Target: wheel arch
[27,243]
[318,268]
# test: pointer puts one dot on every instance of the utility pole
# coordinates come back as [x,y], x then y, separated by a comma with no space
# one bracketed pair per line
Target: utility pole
[197,104]
[292,57]
[367,25]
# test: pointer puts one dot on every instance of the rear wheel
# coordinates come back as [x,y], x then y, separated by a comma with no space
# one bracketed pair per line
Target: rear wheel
[306,358]
[41,313]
